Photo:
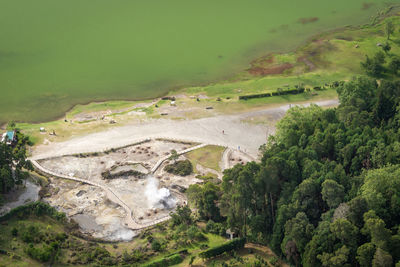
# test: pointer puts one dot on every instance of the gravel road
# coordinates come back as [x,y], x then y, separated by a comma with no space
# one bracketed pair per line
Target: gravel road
[237,134]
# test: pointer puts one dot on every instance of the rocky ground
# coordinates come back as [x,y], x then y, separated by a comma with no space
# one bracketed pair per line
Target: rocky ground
[126,172]
[90,208]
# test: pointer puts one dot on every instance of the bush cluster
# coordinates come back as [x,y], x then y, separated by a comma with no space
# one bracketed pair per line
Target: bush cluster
[41,254]
[181,168]
[107,174]
[216,228]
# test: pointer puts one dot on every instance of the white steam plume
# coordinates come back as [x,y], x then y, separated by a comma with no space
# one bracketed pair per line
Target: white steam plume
[158,198]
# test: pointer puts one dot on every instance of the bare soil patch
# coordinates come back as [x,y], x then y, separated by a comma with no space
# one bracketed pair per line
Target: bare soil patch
[310,66]
[262,71]
[150,198]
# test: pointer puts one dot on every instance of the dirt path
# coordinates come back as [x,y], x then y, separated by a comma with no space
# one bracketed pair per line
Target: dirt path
[205,170]
[224,163]
[238,134]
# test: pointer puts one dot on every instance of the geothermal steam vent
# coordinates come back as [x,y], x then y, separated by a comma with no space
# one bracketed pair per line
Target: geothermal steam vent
[158,198]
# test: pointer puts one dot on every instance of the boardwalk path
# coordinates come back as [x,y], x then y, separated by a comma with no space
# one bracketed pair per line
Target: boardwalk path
[130,220]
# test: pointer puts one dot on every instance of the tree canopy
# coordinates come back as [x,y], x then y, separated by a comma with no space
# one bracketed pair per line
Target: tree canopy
[13,163]
[327,190]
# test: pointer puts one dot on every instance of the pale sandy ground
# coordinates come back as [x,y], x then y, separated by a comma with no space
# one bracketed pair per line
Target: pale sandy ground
[248,136]
[144,195]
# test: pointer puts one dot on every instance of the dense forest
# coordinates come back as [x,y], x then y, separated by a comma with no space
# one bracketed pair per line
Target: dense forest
[327,190]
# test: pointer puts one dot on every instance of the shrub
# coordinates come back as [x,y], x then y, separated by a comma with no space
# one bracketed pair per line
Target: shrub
[155,245]
[195,234]
[137,255]
[215,228]
[14,231]
[182,168]
[273,261]
[108,175]
[181,217]
[61,237]
[31,234]
[41,254]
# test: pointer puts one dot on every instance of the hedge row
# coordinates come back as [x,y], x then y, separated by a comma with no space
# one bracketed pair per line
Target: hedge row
[167,261]
[285,92]
[235,244]
[335,84]
[35,208]
[172,98]
[297,90]
[245,97]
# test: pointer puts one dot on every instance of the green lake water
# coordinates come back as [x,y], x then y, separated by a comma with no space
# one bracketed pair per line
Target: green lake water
[58,53]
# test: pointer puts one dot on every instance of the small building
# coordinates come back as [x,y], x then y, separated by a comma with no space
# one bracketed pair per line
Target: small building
[230,234]
[8,137]
[173,103]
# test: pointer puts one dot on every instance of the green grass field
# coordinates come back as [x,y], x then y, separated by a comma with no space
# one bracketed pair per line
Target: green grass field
[56,54]
[208,156]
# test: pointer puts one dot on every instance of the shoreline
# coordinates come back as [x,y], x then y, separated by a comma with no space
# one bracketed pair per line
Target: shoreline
[390,11]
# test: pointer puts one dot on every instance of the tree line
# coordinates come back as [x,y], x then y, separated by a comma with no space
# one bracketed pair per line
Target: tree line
[13,162]
[327,189]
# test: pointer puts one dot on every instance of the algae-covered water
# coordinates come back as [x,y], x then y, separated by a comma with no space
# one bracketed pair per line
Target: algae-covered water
[57,53]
